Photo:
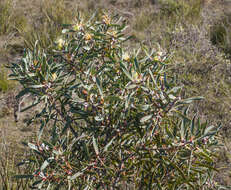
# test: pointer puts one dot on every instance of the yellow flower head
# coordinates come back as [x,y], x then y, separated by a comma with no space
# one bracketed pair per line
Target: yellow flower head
[156,58]
[106,19]
[112,33]
[54,76]
[88,36]
[60,43]
[136,76]
[161,78]
[78,26]
[35,62]
[126,56]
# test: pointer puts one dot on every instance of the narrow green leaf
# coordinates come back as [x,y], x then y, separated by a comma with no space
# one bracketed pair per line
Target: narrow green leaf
[44,165]
[25,176]
[33,146]
[137,65]
[182,130]
[190,100]
[127,74]
[192,125]
[209,129]
[150,72]
[37,182]
[176,167]
[144,107]
[76,175]
[86,150]
[168,131]
[30,106]
[174,89]
[37,86]
[108,144]
[22,93]
[132,86]
[95,146]
[99,86]
[41,130]
[146,118]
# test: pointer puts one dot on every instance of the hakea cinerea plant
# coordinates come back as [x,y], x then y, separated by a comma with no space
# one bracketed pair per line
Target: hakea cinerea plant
[111,117]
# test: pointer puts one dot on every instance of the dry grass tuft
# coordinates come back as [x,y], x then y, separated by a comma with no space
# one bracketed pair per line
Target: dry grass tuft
[5,84]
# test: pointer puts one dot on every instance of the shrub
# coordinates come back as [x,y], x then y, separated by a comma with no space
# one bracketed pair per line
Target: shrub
[220,34]
[111,118]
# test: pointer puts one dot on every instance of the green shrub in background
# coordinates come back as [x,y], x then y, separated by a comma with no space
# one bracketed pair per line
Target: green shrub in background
[111,119]
[220,34]
[5,84]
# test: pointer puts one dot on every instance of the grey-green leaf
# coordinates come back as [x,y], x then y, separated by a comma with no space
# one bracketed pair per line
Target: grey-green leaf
[76,175]
[95,145]
[146,118]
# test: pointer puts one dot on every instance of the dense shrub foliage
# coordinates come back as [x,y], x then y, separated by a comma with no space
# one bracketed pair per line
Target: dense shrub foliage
[111,118]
